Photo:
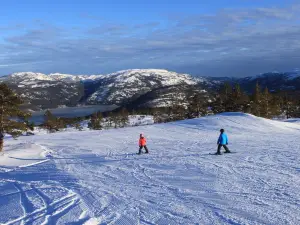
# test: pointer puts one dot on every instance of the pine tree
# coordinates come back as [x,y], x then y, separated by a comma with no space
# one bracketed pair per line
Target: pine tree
[96,121]
[223,101]
[50,121]
[53,123]
[226,96]
[256,101]
[114,119]
[197,106]
[78,126]
[124,117]
[275,109]
[217,105]
[297,108]
[30,125]
[11,117]
[157,115]
[109,120]
[178,110]
[239,99]
[266,98]
[289,106]
[237,91]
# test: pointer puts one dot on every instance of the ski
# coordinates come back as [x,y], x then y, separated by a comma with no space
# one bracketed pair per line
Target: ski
[221,153]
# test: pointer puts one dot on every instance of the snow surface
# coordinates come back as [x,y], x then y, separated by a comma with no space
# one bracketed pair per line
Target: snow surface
[293,120]
[94,177]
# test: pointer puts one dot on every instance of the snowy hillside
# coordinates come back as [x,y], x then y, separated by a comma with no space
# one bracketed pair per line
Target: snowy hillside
[94,177]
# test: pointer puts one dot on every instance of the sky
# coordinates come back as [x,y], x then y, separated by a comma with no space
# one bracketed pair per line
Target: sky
[203,38]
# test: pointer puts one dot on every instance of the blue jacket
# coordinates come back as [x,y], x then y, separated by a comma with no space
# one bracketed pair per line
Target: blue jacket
[223,139]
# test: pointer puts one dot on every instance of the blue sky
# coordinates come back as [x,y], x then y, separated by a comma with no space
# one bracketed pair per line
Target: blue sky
[210,38]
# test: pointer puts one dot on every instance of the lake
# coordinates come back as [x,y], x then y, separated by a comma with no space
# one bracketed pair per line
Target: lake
[72,112]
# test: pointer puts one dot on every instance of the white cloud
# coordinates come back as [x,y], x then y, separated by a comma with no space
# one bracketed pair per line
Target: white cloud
[225,35]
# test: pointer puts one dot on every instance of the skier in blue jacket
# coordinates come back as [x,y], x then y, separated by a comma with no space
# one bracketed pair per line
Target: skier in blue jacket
[222,142]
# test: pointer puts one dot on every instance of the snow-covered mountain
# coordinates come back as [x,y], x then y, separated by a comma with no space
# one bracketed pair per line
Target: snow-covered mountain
[138,87]
[124,86]
[44,91]
[118,88]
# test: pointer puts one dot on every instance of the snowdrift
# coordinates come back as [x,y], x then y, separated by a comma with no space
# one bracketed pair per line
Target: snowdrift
[22,155]
[95,177]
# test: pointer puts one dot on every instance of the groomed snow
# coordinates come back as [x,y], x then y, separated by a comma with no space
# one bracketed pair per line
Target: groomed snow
[94,177]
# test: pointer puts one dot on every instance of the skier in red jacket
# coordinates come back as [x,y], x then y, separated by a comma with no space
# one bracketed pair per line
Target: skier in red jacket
[142,144]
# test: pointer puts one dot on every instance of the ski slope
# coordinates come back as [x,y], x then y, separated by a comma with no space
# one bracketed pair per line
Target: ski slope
[94,177]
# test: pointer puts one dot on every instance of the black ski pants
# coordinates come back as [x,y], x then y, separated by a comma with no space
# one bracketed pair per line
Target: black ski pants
[145,147]
[224,146]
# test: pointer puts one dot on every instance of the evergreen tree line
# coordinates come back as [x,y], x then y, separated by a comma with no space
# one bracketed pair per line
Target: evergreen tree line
[230,98]
[261,103]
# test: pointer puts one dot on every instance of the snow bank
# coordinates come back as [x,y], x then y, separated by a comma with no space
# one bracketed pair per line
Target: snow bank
[22,155]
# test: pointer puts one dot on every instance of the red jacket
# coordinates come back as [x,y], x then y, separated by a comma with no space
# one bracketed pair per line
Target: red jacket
[142,141]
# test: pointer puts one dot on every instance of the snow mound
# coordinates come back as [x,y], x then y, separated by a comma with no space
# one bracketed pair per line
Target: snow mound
[237,122]
[22,155]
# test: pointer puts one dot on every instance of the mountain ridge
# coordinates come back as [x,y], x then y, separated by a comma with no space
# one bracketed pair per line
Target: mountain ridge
[118,88]
[145,87]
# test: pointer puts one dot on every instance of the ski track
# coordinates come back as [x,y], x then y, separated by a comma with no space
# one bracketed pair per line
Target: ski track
[97,176]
